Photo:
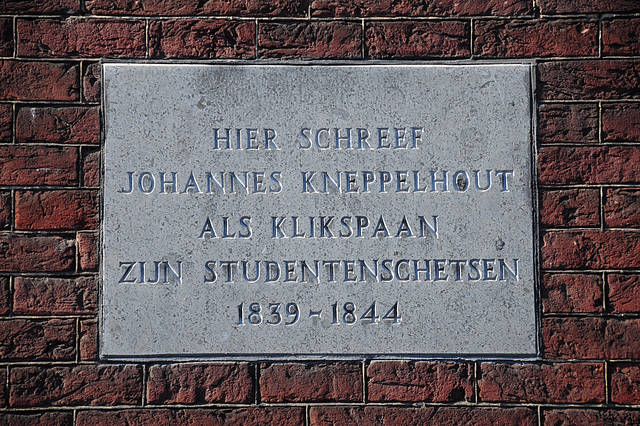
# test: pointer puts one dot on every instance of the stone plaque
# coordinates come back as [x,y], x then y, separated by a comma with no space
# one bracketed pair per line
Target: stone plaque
[315,210]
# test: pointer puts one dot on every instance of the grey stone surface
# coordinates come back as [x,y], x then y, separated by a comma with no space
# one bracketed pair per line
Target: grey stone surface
[165,211]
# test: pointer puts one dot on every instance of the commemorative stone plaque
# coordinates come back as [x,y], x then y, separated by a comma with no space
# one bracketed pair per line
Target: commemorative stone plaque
[315,210]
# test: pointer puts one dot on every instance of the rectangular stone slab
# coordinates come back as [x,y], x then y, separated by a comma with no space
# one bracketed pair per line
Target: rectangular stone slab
[315,210]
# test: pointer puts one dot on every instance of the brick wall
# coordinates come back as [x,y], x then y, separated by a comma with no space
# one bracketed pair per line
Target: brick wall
[588,94]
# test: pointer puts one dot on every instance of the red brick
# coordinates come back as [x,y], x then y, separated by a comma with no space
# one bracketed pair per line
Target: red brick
[624,293]
[47,81]
[422,39]
[623,338]
[57,209]
[307,382]
[41,340]
[406,416]
[36,253]
[592,249]
[38,165]
[625,383]
[516,38]
[90,168]
[340,40]
[552,7]
[39,6]
[621,122]
[81,37]
[6,37]
[570,208]
[571,293]
[589,79]
[590,165]
[6,123]
[200,384]
[5,296]
[95,385]
[622,207]
[568,123]
[88,340]
[53,418]
[91,83]
[621,37]
[88,251]
[202,39]
[555,383]
[55,296]
[3,387]
[419,381]
[187,7]
[446,8]
[585,416]
[5,209]
[58,125]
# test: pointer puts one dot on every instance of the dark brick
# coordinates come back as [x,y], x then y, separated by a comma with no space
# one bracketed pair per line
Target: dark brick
[570,208]
[57,209]
[47,81]
[187,7]
[624,293]
[568,123]
[589,79]
[200,384]
[571,293]
[405,381]
[366,8]
[590,165]
[517,38]
[21,253]
[555,383]
[621,122]
[52,418]
[6,37]
[58,125]
[5,209]
[5,296]
[622,207]
[591,417]
[307,382]
[88,251]
[90,168]
[423,39]
[405,416]
[281,416]
[91,82]
[338,40]
[45,7]
[3,387]
[622,338]
[6,123]
[95,385]
[88,340]
[55,296]
[625,383]
[552,7]
[38,165]
[621,36]
[41,340]
[202,39]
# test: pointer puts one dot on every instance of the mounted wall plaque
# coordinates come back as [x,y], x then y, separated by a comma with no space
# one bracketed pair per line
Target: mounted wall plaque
[316,210]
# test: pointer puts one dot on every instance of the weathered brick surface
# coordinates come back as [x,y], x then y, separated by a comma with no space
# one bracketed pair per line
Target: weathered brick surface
[97,385]
[91,83]
[5,209]
[310,40]
[424,39]
[403,416]
[47,81]
[88,250]
[88,340]
[6,37]
[21,253]
[622,207]
[595,79]
[570,383]
[5,296]
[299,382]
[39,165]
[568,123]
[55,296]
[40,6]
[587,6]
[369,8]
[572,293]
[202,39]
[90,168]
[570,208]
[620,37]
[58,125]
[584,416]
[3,387]
[625,383]
[590,165]
[80,37]
[536,38]
[285,416]
[200,383]
[256,8]
[56,209]
[41,340]
[621,122]
[624,293]
[52,418]
[419,381]
[6,123]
